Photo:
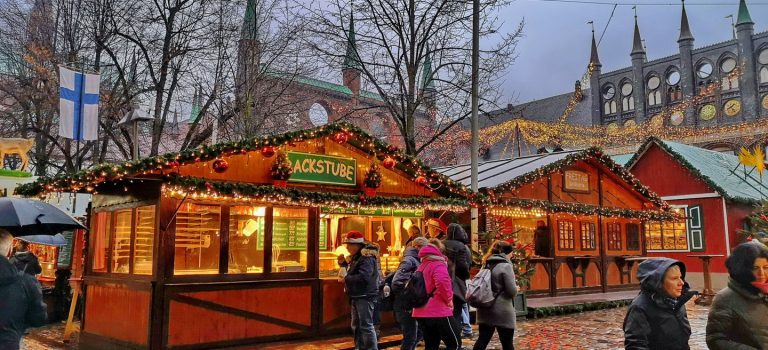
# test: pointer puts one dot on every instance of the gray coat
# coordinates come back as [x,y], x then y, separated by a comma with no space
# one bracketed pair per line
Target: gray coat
[502,313]
[738,319]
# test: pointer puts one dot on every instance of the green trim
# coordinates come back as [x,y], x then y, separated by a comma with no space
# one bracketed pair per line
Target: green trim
[14,173]
[585,209]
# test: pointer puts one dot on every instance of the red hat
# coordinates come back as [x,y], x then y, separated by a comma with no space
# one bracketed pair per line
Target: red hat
[437,223]
[355,237]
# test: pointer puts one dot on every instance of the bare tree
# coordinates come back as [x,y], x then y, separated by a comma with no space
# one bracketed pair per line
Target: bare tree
[416,54]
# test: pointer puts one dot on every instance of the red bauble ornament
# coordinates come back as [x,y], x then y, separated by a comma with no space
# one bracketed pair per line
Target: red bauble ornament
[268,151]
[392,149]
[220,165]
[209,186]
[421,180]
[173,164]
[388,162]
[340,137]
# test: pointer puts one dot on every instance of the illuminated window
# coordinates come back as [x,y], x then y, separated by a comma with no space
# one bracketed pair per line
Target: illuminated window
[566,239]
[121,245]
[588,236]
[102,228]
[290,234]
[633,237]
[144,240]
[197,241]
[614,236]
[671,235]
[246,239]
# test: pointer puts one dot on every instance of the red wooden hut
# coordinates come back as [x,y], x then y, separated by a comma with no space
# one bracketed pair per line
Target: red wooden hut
[716,194]
[203,248]
[583,213]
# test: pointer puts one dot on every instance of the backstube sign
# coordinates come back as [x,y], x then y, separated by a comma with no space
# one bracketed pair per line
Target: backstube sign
[322,169]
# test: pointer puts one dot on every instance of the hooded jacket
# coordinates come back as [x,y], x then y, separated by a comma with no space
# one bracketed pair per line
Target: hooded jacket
[362,280]
[26,262]
[502,313]
[434,266]
[459,259]
[408,265]
[21,302]
[653,322]
[738,318]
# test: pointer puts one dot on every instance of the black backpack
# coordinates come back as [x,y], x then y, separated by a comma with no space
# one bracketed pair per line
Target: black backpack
[415,291]
[387,303]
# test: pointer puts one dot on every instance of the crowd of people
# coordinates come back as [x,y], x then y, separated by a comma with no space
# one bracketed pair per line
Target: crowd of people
[440,268]
[738,318]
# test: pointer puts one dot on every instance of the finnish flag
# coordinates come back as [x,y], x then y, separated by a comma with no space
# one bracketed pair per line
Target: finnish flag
[78,105]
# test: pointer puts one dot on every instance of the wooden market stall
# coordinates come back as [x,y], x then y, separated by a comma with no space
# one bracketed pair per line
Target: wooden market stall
[582,214]
[210,248]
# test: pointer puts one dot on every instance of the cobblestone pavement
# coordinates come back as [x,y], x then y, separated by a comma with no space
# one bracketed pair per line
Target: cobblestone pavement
[589,330]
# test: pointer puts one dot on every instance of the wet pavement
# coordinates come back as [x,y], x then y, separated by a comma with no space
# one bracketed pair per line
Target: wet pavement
[589,330]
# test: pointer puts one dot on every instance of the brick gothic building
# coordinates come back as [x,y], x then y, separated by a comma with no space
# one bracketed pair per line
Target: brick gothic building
[306,102]
[637,93]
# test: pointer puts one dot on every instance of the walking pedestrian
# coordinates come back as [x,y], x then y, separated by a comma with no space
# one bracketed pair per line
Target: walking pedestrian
[21,299]
[26,261]
[501,315]
[435,318]
[409,263]
[738,318]
[657,318]
[362,286]
[459,263]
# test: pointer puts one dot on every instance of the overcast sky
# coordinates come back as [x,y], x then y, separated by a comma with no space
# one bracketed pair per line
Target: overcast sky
[555,50]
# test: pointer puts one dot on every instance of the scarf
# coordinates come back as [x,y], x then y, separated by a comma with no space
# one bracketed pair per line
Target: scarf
[763,287]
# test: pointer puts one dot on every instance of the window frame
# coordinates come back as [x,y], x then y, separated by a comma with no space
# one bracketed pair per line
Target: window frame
[661,228]
[592,235]
[612,244]
[638,235]
[571,235]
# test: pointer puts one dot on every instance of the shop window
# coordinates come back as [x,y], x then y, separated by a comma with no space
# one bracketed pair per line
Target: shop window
[100,236]
[121,246]
[197,241]
[588,236]
[565,235]
[246,239]
[633,237]
[290,234]
[670,235]
[144,241]
[614,236]
[696,227]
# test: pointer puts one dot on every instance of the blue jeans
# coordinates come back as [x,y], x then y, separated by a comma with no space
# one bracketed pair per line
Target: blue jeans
[408,326]
[466,328]
[362,323]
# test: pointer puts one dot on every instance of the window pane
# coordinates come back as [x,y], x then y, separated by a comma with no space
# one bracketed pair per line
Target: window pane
[145,239]
[100,236]
[246,228]
[633,237]
[290,233]
[653,236]
[565,235]
[121,249]
[614,236]
[587,236]
[197,239]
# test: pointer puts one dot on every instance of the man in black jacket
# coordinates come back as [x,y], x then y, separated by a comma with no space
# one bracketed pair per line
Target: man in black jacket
[657,318]
[26,261]
[21,299]
[362,285]
[459,263]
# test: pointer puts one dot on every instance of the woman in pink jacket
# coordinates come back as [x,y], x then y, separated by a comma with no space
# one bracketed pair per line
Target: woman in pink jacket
[436,317]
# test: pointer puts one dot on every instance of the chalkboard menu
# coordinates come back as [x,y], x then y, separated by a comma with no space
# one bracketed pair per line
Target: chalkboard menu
[288,234]
[65,252]
[323,235]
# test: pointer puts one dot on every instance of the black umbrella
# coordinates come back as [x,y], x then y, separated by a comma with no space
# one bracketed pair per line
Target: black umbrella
[55,240]
[24,217]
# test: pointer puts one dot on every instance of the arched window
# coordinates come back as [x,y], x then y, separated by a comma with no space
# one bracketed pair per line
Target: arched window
[674,93]
[654,95]
[318,115]
[728,81]
[627,102]
[673,79]
[764,75]
[609,106]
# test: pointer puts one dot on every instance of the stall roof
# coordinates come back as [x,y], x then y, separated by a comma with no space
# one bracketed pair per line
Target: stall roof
[496,172]
[721,171]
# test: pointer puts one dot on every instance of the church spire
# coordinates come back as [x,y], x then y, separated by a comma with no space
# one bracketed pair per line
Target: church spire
[593,59]
[744,17]
[250,22]
[637,43]
[351,60]
[427,81]
[685,29]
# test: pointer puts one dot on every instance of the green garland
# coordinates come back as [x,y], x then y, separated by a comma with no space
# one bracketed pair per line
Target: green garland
[586,209]
[688,166]
[358,139]
[589,153]
[292,196]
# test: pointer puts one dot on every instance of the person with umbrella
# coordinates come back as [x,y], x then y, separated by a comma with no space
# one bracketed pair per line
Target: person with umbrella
[21,299]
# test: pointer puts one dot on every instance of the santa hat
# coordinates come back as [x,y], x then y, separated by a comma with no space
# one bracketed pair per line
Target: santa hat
[438,224]
[355,237]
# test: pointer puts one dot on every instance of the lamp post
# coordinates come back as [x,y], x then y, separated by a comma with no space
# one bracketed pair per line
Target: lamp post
[475,144]
[133,117]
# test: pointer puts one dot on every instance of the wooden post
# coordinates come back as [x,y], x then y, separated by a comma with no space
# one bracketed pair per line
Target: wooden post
[71,327]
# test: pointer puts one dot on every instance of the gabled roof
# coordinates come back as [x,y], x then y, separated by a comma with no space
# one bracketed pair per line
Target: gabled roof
[506,174]
[721,171]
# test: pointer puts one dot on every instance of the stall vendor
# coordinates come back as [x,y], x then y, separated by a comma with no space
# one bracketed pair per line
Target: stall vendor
[542,239]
